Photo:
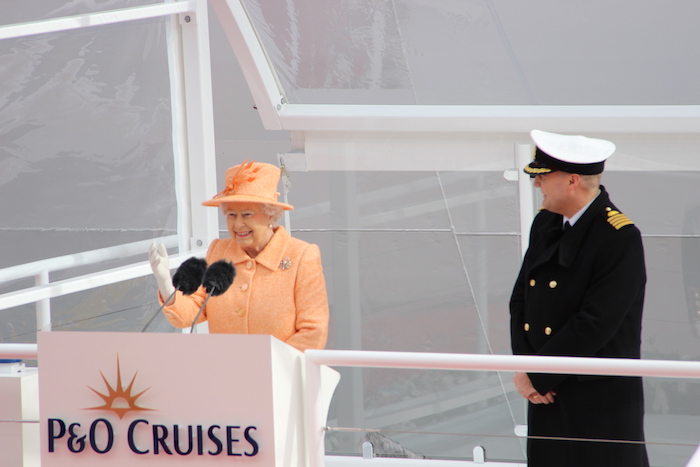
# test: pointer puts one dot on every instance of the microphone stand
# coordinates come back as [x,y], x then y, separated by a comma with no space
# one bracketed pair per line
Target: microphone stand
[194,322]
[159,310]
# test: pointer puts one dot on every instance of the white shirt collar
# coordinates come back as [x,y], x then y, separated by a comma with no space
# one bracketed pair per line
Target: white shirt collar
[572,220]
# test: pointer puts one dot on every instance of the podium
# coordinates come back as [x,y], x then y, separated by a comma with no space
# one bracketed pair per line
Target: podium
[116,399]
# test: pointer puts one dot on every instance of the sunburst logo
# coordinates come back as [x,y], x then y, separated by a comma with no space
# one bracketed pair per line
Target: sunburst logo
[118,399]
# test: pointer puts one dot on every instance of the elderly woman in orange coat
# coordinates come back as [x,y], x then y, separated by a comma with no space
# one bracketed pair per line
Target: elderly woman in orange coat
[279,288]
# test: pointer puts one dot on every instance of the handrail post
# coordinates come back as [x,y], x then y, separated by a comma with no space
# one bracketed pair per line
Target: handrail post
[523,156]
[43,307]
[314,414]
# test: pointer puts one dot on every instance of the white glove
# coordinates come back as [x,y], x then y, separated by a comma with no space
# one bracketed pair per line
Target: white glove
[158,256]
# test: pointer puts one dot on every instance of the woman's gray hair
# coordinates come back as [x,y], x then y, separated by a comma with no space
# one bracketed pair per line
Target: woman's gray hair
[273,211]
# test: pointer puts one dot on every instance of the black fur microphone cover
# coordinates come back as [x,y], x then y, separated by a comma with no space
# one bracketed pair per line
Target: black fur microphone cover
[218,277]
[188,276]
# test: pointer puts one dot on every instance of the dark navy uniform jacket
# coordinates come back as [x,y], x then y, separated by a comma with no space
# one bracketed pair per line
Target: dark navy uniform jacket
[581,293]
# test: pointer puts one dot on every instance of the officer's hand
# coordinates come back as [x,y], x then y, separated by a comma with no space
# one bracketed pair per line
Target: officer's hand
[527,390]
[537,398]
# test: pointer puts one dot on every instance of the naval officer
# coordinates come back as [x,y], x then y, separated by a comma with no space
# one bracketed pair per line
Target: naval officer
[579,293]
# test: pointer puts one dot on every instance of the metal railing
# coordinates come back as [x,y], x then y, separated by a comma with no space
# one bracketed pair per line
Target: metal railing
[44,289]
[84,258]
[475,362]
[437,361]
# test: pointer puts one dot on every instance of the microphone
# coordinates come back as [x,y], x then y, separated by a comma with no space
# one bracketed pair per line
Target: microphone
[188,276]
[218,277]
[186,279]
[216,280]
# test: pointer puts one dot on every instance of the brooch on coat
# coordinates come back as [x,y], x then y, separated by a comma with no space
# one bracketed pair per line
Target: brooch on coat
[285,263]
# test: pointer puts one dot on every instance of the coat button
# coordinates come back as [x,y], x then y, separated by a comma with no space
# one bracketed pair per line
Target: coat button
[244,287]
[527,327]
[532,282]
[552,284]
[241,312]
[548,330]
[249,264]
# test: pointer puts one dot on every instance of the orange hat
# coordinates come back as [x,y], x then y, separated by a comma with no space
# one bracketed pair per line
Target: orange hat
[250,182]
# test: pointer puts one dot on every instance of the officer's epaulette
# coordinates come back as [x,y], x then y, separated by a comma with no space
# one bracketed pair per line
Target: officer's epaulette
[617,219]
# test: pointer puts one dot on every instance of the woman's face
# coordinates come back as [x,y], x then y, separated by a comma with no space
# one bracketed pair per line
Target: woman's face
[249,226]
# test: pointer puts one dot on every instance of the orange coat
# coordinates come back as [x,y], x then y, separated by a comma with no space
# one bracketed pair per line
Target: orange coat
[281,292]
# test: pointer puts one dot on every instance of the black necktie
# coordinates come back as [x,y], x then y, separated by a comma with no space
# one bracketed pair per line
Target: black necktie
[556,233]
[567,226]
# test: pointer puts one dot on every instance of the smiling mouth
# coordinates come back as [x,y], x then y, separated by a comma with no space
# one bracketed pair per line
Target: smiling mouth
[243,234]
